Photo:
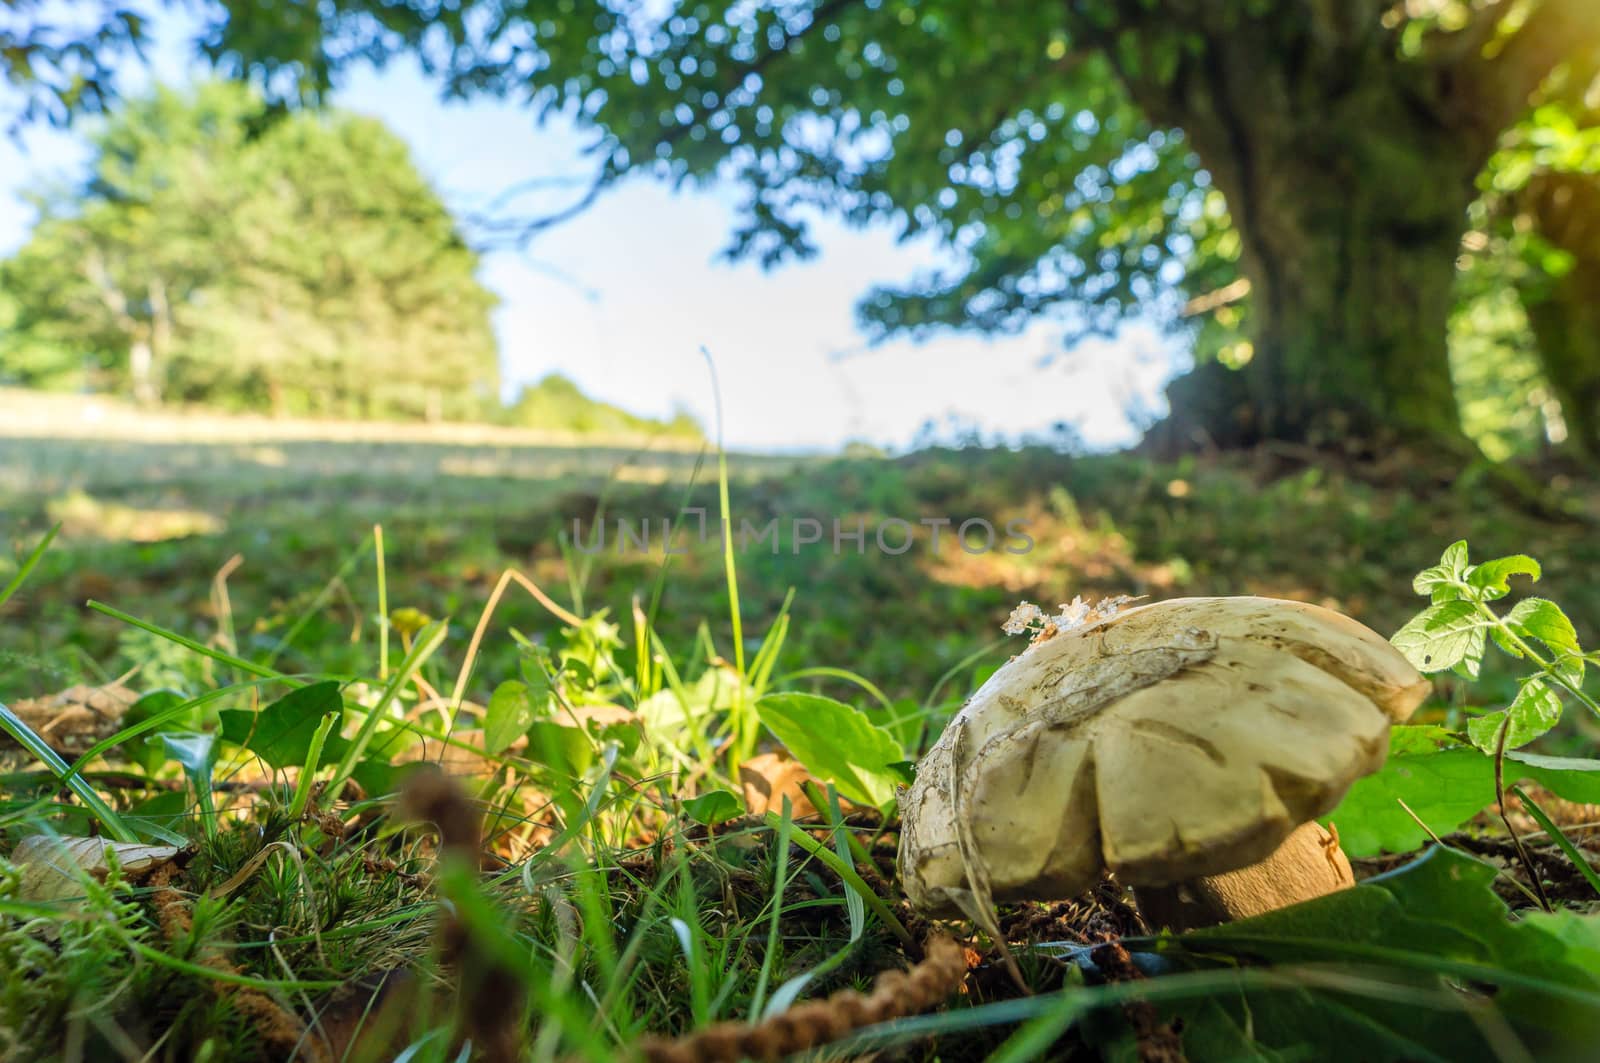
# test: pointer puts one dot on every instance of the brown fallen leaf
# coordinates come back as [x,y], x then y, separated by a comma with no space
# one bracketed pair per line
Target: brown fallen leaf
[51,866]
[76,718]
[769,778]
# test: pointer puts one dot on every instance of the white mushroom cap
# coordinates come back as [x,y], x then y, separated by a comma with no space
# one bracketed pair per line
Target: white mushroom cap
[1175,740]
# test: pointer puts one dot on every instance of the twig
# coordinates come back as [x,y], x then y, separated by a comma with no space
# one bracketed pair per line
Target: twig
[1500,799]
[1441,843]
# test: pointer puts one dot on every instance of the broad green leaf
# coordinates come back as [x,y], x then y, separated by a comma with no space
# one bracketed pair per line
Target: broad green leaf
[378,778]
[1417,937]
[1444,788]
[837,743]
[280,734]
[1542,619]
[1535,710]
[1575,778]
[713,807]
[1417,738]
[567,750]
[1441,636]
[1493,577]
[512,708]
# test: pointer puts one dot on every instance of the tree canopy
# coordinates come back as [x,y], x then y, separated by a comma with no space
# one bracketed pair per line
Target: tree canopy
[1291,181]
[215,254]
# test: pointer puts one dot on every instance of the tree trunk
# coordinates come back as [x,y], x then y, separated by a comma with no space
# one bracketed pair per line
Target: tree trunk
[1349,322]
[1564,311]
[141,371]
[1349,195]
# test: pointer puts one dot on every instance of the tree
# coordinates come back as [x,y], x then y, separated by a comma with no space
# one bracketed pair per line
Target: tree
[555,403]
[216,254]
[1541,227]
[1304,165]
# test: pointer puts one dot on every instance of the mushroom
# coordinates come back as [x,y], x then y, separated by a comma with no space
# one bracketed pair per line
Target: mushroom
[1187,746]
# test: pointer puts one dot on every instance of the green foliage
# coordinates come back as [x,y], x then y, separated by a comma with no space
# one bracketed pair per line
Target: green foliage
[1417,933]
[1437,779]
[556,404]
[57,68]
[713,807]
[838,743]
[1453,633]
[213,254]
[1077,170]
[281,734]
[512,709]
[616,917]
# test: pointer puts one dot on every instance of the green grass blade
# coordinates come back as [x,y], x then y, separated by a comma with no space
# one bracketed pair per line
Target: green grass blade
[780,883]
[851,878]
[1558,836]
[827,672]
[746,729]
[311,610]
[767,654]
[28,564]
[428,640]
[25,736]
[308,771]
[248,667]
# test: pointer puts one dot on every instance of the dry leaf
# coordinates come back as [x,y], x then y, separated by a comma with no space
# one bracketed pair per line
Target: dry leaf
[768,779]
[51,866]
[78,717]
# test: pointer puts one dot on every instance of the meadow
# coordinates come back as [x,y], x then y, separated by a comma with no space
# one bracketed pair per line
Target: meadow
[639,876]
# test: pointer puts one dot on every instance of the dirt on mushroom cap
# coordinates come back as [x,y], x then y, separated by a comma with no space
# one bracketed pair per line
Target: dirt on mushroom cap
[1178,739]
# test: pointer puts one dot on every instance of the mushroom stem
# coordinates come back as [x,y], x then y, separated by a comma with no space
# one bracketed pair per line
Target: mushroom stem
[1308,864]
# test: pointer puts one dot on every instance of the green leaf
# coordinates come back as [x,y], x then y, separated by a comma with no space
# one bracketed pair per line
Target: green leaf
[1493,577]
[195,752]
[1413,940]
[1472,660]
[280,734]
[567,750]
[148,751]
[1444,788]
[1575,778]
[837,743]
[1441,636]
[377,778]
[713,807]
[1534,711]
[513,707]
[1418,738]
[1542,619]
[1446,575]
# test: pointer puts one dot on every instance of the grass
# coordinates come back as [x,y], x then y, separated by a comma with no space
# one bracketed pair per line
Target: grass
[605,912]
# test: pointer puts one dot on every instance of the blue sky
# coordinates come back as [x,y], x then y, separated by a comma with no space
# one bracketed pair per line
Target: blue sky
[623,297]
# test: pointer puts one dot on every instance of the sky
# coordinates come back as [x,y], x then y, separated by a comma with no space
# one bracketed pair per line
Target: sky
[623,298]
